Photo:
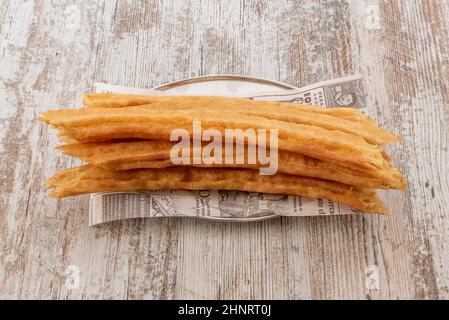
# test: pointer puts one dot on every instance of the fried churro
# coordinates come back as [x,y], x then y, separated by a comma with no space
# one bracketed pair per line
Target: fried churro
[116,100]
[128,142]
[95,124]
[129,155]
[89,178]
[287,112]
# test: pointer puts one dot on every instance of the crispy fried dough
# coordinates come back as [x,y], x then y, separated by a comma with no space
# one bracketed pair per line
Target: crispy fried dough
[323,153]
[156,154]
[113,100]
[90,178]
[95,124]
[284,112]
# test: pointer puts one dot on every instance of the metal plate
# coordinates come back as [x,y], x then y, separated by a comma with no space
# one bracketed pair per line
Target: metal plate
[225,85]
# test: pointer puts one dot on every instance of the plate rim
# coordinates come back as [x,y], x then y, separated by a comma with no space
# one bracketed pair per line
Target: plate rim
[223,77]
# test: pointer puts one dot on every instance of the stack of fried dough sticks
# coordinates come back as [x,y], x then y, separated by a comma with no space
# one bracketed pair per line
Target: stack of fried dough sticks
[125,139]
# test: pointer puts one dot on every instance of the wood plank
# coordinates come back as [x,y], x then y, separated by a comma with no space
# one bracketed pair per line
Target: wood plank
[51,53]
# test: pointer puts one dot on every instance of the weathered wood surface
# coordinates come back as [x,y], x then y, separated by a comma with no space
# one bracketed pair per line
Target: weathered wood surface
[51,52]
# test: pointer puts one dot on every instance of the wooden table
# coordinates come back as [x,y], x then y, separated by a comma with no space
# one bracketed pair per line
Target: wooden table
[50,53]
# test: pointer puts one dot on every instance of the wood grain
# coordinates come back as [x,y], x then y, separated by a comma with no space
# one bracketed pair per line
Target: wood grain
[50,53]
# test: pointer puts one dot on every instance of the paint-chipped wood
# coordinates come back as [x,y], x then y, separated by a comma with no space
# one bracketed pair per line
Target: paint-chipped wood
[52,52]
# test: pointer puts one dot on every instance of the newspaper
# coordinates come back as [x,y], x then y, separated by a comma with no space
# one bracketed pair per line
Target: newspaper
[230,205]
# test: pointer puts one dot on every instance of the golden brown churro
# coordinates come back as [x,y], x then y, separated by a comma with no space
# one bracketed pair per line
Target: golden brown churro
[320,153]
[287,112]
[87,179]
[94,124]
[129,155]
[114,100]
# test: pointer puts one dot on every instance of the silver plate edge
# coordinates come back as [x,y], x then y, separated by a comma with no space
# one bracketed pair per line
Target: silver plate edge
[197,79]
